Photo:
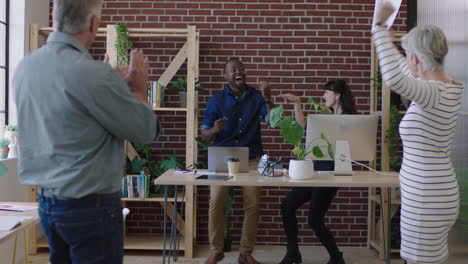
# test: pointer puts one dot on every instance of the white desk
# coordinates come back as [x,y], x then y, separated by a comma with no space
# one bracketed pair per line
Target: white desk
[24,227]
[5,235]
[253,178]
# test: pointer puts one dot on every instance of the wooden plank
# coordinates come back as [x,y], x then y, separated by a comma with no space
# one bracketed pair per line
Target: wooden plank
[192,70]
[111,50]
[158,30]
[170,109]
[131,152]
[180,222]
[134,35]
[383,222]
[171,70]
[33,37]
[149,242]
[190,214]
[370,217]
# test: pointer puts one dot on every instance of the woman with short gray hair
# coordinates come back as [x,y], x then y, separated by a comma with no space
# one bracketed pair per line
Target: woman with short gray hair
[429,188]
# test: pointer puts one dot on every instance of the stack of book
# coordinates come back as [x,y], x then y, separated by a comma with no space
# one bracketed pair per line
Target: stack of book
[135,186]
[154,93]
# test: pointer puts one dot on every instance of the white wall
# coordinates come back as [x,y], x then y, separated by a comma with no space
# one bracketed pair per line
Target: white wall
[22,13]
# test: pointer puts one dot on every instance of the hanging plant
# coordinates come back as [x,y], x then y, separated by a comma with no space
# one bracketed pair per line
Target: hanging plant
[122,44]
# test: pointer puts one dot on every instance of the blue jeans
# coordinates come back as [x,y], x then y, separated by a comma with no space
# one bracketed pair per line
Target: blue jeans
[85,230]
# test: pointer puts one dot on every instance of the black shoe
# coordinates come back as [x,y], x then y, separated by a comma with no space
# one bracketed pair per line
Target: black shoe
[340,260]
[292,259]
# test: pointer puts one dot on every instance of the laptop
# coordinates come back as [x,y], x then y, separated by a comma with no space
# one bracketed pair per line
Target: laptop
[217,158]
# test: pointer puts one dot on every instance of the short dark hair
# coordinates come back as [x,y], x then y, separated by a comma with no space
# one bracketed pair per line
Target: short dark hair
[231,60]
[346,96]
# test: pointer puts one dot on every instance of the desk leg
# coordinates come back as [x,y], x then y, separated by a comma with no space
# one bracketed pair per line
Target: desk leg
[389,225]
[173,242]
[164,224]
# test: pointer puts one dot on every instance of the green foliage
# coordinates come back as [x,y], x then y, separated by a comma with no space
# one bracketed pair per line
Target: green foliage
[317,106]
[462,175]
[10,128]
[4,142]
[181,84]
[153,168]
[393,139]
[293,132]
[122,44]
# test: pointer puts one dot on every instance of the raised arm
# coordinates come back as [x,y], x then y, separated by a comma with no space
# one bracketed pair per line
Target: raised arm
[424,93]
[298,113]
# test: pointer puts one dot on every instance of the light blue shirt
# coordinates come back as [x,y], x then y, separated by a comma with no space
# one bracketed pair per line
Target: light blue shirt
[74,114]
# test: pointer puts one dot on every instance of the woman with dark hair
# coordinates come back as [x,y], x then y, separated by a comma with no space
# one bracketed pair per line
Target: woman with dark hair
[339,98]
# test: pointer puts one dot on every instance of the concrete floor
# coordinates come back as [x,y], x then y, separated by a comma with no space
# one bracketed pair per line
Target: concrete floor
[264,254]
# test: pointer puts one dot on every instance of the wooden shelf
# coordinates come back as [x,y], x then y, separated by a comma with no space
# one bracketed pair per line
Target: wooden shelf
[376,198]
[170,109]
[42,243]
[149,242]
[155,198]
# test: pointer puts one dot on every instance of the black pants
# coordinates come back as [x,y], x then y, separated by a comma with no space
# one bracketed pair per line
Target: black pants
[320,199]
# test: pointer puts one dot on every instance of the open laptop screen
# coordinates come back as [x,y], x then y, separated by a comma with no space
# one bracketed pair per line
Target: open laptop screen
[217,158]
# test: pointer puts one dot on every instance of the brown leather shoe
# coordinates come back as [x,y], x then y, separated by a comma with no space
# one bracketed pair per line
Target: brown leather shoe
[244,259]
[214,258]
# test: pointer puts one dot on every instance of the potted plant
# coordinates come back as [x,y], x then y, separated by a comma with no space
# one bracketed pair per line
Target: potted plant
[181,85]
[10,133]
[292,132]
[122,44]
[4,142]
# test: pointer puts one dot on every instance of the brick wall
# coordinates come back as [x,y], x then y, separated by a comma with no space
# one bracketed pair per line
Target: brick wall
[296,45]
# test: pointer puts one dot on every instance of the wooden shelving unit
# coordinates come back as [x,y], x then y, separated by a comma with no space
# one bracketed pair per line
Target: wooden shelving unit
[377,231]
[189,52]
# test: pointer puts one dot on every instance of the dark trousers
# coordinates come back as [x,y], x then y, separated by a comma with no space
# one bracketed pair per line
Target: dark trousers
[87,230]
[320,199]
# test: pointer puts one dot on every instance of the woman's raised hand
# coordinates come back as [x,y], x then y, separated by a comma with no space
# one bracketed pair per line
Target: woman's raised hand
[290,97]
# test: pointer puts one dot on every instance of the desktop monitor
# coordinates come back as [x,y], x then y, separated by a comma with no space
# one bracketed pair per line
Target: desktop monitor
[352,136]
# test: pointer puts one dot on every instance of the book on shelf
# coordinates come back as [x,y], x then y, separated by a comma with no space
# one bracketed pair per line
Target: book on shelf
[155,93]
[135,186]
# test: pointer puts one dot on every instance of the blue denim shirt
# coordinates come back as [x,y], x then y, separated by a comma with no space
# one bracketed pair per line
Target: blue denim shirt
[242,129]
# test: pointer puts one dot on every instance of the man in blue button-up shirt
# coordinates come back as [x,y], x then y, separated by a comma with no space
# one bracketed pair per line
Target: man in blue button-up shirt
[74,114]
[232,118]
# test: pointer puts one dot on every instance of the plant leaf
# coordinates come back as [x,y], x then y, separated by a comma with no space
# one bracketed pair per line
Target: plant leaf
[275,115]
[172,163]
[330,150]
[317,152]
[292,133]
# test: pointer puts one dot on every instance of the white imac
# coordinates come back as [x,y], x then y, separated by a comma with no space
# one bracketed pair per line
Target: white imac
[353,138]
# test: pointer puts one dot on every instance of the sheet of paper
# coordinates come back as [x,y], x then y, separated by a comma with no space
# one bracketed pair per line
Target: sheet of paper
[195,172]
[396,5]
[16,208]
[8,223]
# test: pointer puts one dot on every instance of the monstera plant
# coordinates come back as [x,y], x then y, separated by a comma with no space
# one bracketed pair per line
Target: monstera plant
[292,133]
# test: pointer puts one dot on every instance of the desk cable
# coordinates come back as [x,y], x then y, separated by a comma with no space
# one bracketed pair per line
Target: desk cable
[343,158]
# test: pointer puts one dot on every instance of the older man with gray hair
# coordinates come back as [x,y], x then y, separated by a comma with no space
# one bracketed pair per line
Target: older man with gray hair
[74,114]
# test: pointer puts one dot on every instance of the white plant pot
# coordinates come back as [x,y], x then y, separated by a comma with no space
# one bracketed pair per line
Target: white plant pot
[301,169]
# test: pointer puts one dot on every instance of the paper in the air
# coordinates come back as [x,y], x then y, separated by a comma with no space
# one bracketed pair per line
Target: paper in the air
[396,5]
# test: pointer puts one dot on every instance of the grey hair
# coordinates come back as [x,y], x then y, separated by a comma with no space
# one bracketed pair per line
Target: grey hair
[73,16]
[429,44]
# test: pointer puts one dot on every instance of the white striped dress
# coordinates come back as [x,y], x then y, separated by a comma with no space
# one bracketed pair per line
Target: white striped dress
[429,188]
